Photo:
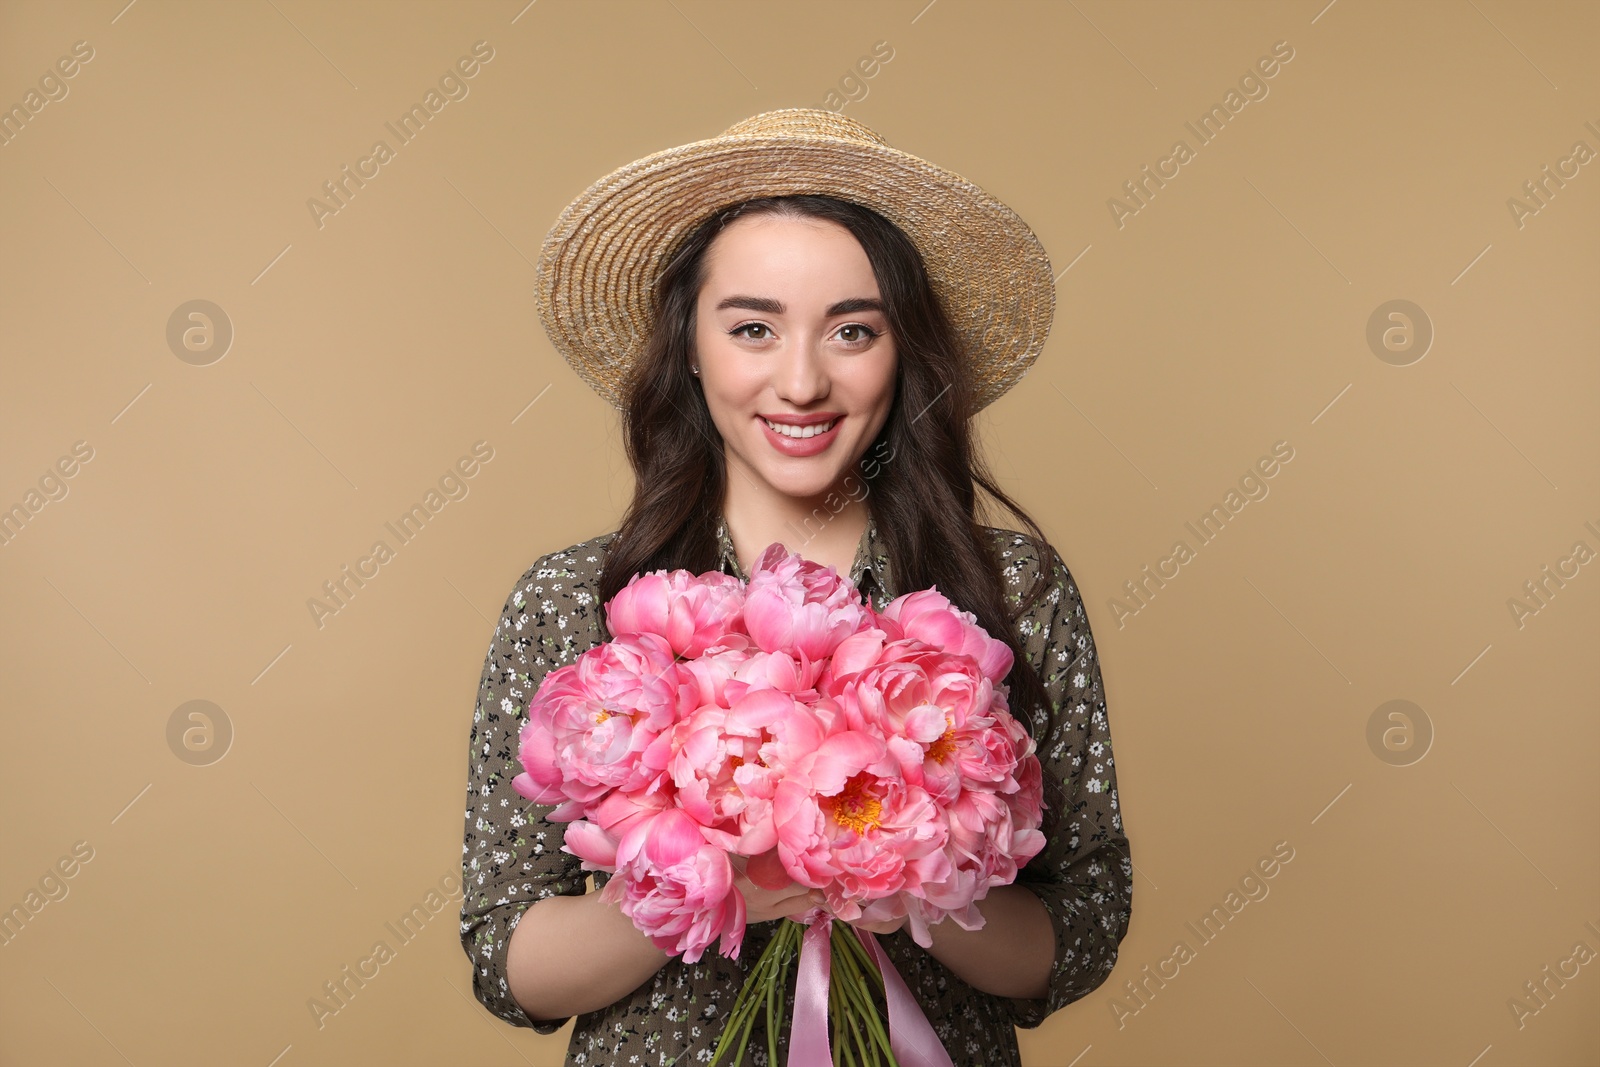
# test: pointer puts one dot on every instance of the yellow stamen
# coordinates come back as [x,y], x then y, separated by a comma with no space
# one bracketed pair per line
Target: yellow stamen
[855,807]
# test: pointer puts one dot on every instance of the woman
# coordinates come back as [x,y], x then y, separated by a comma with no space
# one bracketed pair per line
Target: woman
[798,322]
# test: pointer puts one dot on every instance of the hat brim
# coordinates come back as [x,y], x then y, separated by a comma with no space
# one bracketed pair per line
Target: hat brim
[600,261]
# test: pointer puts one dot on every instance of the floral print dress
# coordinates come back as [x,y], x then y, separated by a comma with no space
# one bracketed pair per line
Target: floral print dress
[511,852]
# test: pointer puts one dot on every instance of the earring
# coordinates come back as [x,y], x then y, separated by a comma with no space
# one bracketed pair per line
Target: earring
[695,371]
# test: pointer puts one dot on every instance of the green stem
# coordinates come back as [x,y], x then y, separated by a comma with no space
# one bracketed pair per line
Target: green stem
[746,1003]
[772,1029]
[744,1037]
[858,984]
[836,1015]
[794,935]
[775,1006]
[852,1019]
[866,962]
[846,978]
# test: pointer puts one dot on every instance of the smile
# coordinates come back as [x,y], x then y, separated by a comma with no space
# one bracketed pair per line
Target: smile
[800,432]
[800,442]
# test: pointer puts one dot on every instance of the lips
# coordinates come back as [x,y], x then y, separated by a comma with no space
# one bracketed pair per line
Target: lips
[818,441]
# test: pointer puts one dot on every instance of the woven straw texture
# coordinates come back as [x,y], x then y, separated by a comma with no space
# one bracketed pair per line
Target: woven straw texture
[600,261]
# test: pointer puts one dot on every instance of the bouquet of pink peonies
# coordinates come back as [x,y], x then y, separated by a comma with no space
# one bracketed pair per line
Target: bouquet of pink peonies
[786,726]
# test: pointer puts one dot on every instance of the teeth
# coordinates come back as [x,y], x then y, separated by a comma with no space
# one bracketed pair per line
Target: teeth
[800,432]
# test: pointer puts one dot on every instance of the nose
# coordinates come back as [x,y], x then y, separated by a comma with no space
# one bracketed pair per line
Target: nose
[800,373]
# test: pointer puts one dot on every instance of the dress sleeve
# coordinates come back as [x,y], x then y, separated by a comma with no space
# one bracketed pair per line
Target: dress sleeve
[511,853]
[1084,874]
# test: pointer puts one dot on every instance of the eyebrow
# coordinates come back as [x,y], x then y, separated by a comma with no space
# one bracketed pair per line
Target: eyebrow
[775,307]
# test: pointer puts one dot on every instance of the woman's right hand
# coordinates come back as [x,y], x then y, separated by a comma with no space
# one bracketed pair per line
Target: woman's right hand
[763,905]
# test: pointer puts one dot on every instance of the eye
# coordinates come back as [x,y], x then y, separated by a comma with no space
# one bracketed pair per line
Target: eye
[751,326]
[864,334]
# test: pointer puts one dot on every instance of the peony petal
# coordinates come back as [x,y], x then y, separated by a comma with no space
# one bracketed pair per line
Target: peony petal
[767,871]
[926,724]
[591,844]
[856,653]
[841,756]
[672,837]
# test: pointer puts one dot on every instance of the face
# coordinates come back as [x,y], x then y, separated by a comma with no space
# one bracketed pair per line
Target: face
[790,332]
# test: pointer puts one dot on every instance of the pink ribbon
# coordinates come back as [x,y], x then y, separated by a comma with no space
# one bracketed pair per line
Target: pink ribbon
[808,1035]
[911,1036]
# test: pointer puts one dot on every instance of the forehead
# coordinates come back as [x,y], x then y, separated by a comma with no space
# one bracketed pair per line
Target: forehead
[818,255]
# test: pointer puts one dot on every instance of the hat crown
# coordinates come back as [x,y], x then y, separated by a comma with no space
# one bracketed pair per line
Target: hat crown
[804,122]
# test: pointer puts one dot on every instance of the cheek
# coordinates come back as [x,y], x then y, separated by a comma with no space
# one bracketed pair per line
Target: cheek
[873,387]
[879,375]
[730,397]
[729,384]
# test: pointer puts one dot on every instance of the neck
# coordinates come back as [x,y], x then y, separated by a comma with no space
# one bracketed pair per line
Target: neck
[825,530]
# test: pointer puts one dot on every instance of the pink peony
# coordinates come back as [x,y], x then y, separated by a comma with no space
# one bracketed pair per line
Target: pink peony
[928,616]
[935,711]
[677,888]
[705,679]
[777,670]
[985,848]
[594,839]
[599,724]
[847,822]
[721,780]
[794,605]
[691,613]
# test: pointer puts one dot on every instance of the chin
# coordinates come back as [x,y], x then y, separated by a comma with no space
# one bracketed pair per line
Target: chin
[802,488]
[804,478]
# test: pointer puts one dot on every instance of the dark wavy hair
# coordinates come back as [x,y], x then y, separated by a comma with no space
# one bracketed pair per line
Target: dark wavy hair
[922,496]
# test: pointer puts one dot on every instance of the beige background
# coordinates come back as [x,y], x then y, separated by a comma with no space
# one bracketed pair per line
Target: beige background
[1229,313]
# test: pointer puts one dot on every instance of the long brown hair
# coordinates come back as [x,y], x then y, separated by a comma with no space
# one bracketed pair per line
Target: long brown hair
[922,471]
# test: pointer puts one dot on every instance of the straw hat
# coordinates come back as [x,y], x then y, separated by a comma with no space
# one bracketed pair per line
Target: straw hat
[600,261]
